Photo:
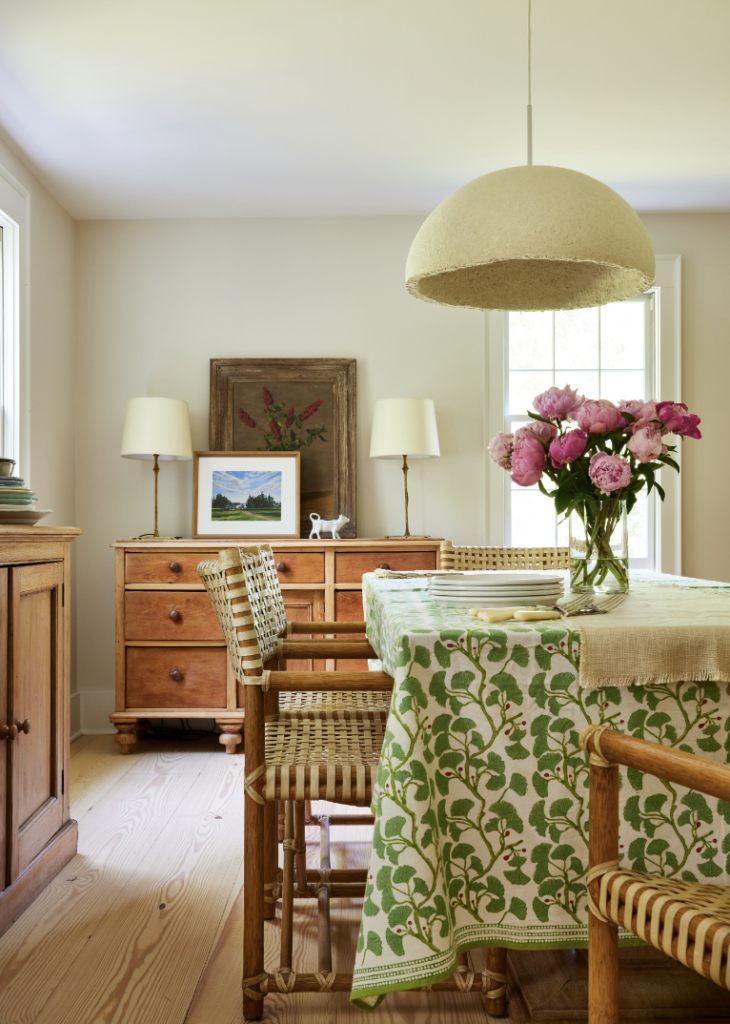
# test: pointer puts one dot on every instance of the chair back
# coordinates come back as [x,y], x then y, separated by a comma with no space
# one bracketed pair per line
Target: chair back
[244,615]
[464,558]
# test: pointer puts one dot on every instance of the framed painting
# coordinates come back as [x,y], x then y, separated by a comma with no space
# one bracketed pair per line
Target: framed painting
[246,494]
[302,405]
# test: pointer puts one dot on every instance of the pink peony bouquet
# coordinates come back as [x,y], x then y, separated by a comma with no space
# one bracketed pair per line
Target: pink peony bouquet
[593,450]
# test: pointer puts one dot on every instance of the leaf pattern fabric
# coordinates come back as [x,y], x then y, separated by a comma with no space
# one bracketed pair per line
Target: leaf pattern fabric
[481,799]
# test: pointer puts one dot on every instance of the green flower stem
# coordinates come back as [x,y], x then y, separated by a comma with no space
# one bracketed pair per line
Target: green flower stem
[599,529]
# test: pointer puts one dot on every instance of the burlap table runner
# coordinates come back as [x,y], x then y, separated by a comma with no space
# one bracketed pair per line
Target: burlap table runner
[660,634]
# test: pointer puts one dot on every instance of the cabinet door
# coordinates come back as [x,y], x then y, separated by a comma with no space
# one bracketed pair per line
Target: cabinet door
[35,660]
[348,608]
[304,606]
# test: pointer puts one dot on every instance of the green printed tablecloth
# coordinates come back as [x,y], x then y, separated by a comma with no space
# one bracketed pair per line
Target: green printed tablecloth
[481,800]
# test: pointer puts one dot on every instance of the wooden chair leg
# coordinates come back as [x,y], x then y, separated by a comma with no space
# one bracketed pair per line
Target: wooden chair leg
[323,900]
[280,818]
[495,1002]
[271,858]
[300,847]
[287,891]
[602,936]
[253,857]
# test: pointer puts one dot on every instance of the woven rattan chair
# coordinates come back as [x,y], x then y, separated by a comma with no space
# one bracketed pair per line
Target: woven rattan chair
[462,559]
[290,759]
[686,920]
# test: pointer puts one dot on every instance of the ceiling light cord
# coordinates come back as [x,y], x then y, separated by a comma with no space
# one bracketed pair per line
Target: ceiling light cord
[529,83]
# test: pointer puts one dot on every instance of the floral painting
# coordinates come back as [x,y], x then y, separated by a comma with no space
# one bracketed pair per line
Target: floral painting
[291,416]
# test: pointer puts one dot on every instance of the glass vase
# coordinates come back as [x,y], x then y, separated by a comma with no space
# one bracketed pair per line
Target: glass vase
[599,547]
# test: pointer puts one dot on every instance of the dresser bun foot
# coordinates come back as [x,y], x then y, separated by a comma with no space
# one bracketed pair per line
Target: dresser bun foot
[126,736]
[230,735]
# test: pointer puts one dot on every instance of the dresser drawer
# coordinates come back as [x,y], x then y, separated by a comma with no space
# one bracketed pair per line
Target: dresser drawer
[300,566]
[164,566]
[349,566]
[169,615]
[176,677]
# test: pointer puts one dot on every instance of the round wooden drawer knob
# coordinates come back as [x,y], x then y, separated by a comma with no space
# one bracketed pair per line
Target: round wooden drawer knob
[175,567]
[8,732]
[176,675]
[24,726]
[175,615]
[281,567]
[384,566]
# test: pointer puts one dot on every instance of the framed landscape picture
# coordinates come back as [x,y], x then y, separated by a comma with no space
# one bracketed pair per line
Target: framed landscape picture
[293,405]
[245,494]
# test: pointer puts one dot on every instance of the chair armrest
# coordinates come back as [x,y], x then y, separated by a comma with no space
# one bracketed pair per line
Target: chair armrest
[324,627]
[330,681]
[691,770]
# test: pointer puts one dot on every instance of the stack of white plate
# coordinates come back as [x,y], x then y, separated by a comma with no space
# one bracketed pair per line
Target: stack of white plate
[496,589]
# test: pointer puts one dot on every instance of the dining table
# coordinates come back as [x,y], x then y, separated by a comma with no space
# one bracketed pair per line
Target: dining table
[481,797]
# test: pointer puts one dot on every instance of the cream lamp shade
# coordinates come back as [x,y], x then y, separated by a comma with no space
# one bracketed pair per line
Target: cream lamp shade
[157,427]
[531,238]
[404,426]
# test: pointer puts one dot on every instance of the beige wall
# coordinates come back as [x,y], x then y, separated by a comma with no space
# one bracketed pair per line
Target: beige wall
[158,299]
[703,240]
[47,364]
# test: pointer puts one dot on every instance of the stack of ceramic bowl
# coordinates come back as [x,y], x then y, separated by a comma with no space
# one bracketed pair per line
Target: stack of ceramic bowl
[495,589]
[17,502]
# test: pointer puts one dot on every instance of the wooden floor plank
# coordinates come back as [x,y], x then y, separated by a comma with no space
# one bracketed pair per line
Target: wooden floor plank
[149,950]
[164,825]
[80,744]
[40,950]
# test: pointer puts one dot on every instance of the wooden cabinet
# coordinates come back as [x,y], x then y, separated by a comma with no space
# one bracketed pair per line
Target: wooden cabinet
[37,836]
[170,654]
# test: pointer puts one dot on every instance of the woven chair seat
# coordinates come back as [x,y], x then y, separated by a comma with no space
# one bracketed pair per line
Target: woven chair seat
[338,705]
[322,758]
[688,921]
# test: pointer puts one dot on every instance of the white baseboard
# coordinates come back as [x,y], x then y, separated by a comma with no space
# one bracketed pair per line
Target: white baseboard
[96,706]
[75,715]
[76,736]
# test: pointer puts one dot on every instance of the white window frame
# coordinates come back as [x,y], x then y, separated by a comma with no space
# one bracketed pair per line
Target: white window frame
[14,323]
[667,387]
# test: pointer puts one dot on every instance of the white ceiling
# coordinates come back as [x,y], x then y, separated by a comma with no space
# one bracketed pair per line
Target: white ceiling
[227,108]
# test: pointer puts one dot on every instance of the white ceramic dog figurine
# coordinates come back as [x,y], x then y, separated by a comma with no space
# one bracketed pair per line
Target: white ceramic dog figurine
[328,525]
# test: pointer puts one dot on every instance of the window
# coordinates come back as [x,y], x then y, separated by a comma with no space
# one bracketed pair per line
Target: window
[623,350]
[604,352]
[9,336]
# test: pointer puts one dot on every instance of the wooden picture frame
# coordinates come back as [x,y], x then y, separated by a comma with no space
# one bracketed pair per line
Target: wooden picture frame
[327,435]
[246,495]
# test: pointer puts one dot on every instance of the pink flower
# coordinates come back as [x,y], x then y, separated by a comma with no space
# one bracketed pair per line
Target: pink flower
[643,413]
[528,458]
[568,448]
[678,420]
[597,417]
[557,403]
[500,448]
[609,472]
[646,444]
[547,431]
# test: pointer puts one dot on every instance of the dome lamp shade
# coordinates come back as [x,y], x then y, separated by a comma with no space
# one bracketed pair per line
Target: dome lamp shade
[531,238]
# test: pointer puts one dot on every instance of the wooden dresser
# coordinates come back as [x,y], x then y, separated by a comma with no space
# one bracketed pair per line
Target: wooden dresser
[171,659]
[37,835]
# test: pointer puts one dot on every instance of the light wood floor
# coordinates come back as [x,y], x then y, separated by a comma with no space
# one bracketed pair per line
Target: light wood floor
[145,924]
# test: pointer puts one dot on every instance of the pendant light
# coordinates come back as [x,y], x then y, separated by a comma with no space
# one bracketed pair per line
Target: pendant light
[531,238]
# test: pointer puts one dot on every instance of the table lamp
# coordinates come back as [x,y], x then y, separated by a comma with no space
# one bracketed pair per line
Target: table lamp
[404,428]
[156,428]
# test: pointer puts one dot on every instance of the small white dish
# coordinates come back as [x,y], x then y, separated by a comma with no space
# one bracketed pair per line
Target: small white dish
[22,516]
